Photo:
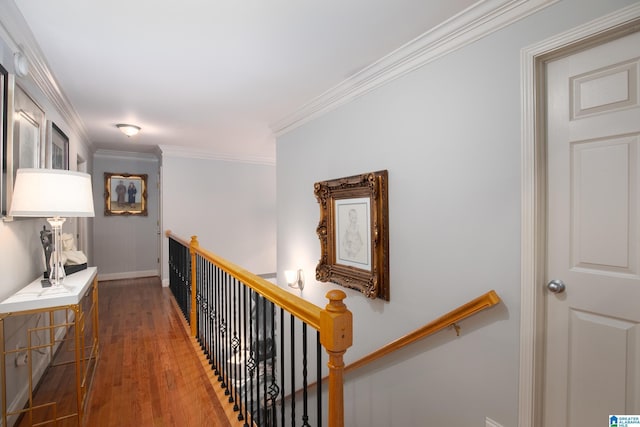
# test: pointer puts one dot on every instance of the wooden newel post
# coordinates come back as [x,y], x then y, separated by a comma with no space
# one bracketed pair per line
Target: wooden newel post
[336,336]
[194,309]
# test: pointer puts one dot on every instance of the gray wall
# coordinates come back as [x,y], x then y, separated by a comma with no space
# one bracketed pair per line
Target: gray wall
[21,254]
[126,246]
[230,206]
[449,135]
[21,259]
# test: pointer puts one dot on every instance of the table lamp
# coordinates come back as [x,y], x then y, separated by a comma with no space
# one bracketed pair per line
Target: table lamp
[52,194]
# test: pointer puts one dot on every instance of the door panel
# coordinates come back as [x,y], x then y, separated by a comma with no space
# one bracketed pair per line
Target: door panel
[604,199]
[592,356]
[599,349]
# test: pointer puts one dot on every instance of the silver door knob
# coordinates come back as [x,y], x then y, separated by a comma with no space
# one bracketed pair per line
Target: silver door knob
[556,286]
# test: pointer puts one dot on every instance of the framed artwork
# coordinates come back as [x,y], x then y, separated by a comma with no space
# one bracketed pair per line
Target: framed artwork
[28,132]
[354,233]
[24,146]
[4,120]
[125,194]
[58,147]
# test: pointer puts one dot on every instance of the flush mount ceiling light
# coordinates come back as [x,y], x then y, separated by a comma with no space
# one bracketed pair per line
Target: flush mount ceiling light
[129,130]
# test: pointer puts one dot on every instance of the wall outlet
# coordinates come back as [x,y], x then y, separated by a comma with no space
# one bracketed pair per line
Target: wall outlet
[490,423]
[22,357]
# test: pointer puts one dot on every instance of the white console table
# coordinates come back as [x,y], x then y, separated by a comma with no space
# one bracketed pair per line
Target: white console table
[66,333]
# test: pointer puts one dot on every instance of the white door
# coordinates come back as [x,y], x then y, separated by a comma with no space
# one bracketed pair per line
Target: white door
[592,352]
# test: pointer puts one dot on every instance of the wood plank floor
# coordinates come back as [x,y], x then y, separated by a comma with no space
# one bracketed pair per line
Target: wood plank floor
[149,373]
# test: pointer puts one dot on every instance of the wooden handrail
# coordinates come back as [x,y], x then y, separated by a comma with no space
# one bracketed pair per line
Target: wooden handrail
[303,309]
[485,301]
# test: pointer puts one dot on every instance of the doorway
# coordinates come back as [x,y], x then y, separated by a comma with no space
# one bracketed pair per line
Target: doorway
[534,292]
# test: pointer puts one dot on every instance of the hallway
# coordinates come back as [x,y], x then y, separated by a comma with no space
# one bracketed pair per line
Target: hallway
[148,374]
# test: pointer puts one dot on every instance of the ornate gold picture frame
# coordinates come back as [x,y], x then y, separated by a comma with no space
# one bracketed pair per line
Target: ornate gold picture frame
[354,233]
[125,194]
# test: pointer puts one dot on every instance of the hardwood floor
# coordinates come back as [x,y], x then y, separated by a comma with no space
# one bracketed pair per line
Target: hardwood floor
[148,373]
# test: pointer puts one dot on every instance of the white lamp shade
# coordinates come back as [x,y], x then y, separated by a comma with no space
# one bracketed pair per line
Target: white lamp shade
[51,192]
[290,276]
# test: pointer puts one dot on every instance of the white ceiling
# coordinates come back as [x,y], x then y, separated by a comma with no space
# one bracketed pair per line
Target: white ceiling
[213,74]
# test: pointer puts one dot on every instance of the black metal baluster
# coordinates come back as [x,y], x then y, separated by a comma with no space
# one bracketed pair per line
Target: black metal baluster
[180,276]
[293,372]
[187,285]
[273,387]
[234,347]
[210,281]
[202,322]
[199,300]
[265,350]
[227,329]
[282,399]
[319,378]
[219,333]
[305,412]
[212,315]
[184,288]
[228,353]
[234,344]
[252,361]
[183,282]
[242,380]
[214,320]
[259,328]
[212,310]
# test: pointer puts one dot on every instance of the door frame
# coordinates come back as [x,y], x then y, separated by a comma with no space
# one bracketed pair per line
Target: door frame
[534,195]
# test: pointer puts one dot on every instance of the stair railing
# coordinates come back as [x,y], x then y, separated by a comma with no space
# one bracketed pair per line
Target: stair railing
[232,313]
[334,336]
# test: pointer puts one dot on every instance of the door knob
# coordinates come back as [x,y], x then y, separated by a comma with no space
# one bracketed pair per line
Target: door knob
[556,286]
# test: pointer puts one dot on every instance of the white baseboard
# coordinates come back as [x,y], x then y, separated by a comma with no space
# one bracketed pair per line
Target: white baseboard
[165,283]
[127,275]
[490,423]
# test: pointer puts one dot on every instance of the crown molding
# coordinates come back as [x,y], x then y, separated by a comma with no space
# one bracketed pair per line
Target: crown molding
[475,22]
[18,36]
[204,154]
[127,155]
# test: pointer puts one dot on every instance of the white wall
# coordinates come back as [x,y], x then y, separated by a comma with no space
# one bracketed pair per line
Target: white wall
[449,135]
[229,205]
[126,246]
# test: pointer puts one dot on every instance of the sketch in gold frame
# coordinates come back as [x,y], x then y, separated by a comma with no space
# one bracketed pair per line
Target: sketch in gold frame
[120,197]
[354,233]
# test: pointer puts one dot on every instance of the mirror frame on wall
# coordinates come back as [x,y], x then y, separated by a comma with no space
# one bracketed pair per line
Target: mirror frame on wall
[25,126]
[6,135]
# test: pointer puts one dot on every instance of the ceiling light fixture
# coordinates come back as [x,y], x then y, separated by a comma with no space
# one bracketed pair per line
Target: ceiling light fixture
[129,130]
